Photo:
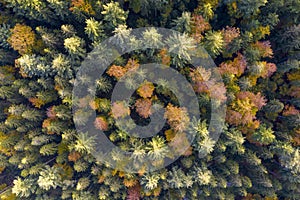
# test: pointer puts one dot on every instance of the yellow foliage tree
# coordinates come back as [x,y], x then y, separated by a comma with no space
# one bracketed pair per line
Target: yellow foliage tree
[22,39]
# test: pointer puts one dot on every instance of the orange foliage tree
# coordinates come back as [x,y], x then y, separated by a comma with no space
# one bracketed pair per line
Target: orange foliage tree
[22,39]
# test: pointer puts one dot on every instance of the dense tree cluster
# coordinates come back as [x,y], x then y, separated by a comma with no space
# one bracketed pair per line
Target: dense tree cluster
[256,47]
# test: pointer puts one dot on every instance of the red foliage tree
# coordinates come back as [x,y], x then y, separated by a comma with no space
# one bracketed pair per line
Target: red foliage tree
[236,67]
[101,123]
[143,107]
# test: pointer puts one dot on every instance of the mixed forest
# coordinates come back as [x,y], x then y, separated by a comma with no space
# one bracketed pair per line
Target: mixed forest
[255,45]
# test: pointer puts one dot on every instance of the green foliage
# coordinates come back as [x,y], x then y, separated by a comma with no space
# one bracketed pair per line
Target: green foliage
[93,29]
[183,50]
[150,181]
[83,143]
[263,136]
[113,15]
[23,188]
[33,65]
[157,148]
[48,149]
[74,46]
[178,179]
[49,178]
[183,23]
[49,11]
[4,35]
[214,43]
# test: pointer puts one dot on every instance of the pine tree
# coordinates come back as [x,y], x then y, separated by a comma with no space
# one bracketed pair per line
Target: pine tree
[113,15]
[4,35]
[23,188]
[94,29]
[49,178]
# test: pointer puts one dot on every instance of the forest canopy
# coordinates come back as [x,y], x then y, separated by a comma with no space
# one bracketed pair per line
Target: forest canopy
[255,48]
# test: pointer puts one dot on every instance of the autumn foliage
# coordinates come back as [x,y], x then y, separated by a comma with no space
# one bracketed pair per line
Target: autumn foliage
[23,39]
[177,117]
